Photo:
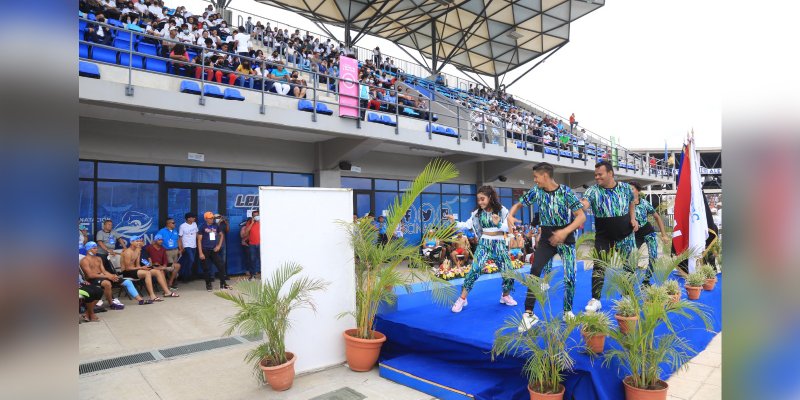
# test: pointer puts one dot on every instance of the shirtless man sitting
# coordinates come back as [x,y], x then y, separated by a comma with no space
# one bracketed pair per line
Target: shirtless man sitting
[96,274]
[461,244]
[133,268]
[516,246]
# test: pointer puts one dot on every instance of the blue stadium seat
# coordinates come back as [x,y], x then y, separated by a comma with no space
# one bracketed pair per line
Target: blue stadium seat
[232,94]
[113,22]
[147,48]
[83,50]
[550,150]
[153,64]
[322,108]
[434,117]
[387,120]
[81,26]
[212,91]
[125,35]
[122,44]
[104,55]
[451,132]
[305,105]
[88,70]
[190,87]
[410,112]
[372,117]
[91,17]
[138,61]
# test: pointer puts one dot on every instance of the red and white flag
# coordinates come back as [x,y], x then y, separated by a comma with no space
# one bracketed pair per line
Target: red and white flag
[691,226]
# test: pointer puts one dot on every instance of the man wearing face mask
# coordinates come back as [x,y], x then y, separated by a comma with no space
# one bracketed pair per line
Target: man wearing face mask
[253,234]
[185,35]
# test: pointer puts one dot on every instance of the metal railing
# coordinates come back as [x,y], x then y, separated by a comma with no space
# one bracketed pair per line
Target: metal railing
[470,124]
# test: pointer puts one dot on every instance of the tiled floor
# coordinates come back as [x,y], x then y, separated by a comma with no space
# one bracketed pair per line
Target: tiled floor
[703,378]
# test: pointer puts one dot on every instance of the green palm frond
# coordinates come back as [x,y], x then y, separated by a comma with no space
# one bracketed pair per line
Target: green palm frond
[377,273]
[261,308]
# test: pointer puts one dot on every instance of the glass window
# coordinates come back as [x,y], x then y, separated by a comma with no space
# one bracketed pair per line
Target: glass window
[86,205]
[131,172]
[383,184]
[190,174]
[504,192]
[298,180]
[435,188]
[239,200]
[356,183]
[132,206]
[403,185]
[86,169]
[450,188]
[257,178]
[468,189]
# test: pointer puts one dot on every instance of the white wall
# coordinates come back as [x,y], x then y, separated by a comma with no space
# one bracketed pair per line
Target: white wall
[325,253]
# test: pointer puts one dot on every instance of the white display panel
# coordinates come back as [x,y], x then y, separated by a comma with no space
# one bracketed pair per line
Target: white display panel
[300,225]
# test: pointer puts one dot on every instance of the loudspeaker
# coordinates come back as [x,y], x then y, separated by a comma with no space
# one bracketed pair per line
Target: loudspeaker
[345,166]
[502,178]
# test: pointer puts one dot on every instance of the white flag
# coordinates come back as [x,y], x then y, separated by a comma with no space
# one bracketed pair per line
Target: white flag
[698,225]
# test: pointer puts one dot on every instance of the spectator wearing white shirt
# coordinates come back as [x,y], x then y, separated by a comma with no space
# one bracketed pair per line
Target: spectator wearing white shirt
[185,36]
[242,40]
[187,245]
[155,11]
[140,7]
[201,41]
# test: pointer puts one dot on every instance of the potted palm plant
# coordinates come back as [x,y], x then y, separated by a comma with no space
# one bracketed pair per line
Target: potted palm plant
[694,284]
[673,289]
[546,346]
[626,312]
[711,276]
[594,329]
[264,308]
[377,272]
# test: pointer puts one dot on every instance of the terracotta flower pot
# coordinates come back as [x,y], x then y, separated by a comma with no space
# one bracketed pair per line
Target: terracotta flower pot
[546,396]
[362,354]
[634,393]
[595,343]
[626,323]
[710,283]
[693,292]
[280,377]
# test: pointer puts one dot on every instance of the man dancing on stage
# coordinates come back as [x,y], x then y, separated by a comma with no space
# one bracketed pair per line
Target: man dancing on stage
[646,233]
[556,204]
[614,208]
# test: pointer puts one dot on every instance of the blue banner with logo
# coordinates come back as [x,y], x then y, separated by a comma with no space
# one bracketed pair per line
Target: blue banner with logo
[132,206]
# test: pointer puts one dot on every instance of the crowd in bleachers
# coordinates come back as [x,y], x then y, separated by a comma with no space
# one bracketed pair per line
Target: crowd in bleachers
[259,56]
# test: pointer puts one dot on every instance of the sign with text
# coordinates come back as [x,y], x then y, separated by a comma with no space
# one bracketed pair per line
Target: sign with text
[348,87]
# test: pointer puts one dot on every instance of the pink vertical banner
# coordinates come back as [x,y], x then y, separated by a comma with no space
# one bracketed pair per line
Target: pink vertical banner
[348,87]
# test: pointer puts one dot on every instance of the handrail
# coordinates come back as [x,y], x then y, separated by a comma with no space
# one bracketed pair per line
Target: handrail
[470,124]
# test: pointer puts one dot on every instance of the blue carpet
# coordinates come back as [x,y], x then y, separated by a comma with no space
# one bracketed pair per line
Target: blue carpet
[429,347]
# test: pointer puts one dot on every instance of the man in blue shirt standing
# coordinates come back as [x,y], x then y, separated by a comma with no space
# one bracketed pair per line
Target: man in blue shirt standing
[381,226]
[209,240]
[170,236]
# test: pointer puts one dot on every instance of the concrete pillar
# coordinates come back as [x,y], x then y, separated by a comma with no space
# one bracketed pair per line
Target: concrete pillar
[328,178]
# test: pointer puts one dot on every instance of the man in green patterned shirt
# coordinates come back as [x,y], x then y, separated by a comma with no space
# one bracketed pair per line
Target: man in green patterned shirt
[614,208]
[557,205]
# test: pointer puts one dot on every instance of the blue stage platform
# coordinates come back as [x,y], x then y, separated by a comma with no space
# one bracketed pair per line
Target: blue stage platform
[446,355]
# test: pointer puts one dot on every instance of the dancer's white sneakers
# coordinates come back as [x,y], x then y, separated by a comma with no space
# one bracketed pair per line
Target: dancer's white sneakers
[568,316]
[460,303]
[593,305]
[508,300]
[528,321]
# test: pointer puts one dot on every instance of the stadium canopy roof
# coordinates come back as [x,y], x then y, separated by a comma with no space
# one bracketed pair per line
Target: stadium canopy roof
[487,37]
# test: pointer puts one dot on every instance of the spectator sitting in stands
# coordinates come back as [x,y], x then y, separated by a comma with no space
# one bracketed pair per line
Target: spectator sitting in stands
[407,100]
[179,53]
[243,76]
[157,255]
[391,101]
[281,78]
[299,85]
[98,33]
[422,106]
[168,45]
[203,59]
[185,35]
[431,247]
[132,268]
[94,273]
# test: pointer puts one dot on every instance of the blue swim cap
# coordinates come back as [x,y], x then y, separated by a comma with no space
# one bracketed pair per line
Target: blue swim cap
[89,245]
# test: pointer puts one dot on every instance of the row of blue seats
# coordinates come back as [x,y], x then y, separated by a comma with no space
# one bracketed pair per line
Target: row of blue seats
[308,106]
[192,87]
[111,56]
[381,119]
[441,130]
